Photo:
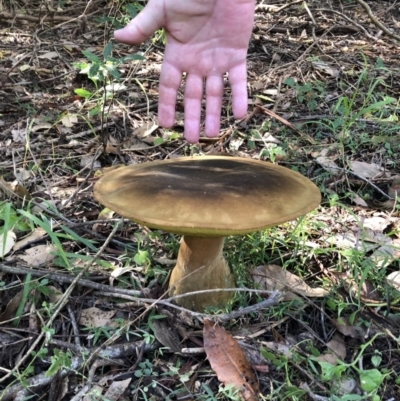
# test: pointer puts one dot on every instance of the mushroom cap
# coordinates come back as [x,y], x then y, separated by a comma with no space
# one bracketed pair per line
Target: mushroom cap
[207,195]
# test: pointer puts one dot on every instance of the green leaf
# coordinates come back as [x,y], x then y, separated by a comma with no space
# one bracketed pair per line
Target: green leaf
[348,397]
[25,293]
[141,258]
[95,111]
[91,56]
[330,371]
[131,10]
[113,71]
[83,93]
[370,379]
[78,238]
[290,82]
[93,70]
[158,141]
[107,50]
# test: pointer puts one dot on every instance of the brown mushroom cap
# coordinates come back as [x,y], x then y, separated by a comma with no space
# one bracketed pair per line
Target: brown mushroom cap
[207,196]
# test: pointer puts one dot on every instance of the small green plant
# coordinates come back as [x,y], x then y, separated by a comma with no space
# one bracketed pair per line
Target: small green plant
[59,360]
[271,152]
[145,369]
[102,69]
[307,93]
[370,379]
[227,392]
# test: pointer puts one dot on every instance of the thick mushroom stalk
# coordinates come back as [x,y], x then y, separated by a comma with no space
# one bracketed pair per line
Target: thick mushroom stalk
[201,266]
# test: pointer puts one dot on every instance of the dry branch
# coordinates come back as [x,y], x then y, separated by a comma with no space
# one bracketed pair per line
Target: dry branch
[375,20]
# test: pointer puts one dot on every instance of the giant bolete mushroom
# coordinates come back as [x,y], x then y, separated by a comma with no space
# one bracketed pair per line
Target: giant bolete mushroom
[205,199]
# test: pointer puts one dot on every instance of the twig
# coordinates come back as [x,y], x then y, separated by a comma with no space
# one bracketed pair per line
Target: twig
[287,124]
[287,5]
[375,21]
[348,19]
[309,13]
[372,184]
[75,327]
[66,279]
[274,299]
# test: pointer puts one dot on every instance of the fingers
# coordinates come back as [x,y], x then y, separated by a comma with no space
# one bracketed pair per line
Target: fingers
[238,80]
[143,26]
[193,96]
[170,80]
[214,92]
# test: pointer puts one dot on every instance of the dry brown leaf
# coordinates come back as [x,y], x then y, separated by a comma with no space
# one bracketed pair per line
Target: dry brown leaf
[13,188]
[94,391]
[355,327]
[393,279]
[281,348]
[54,294]
[7,241]
[358,200]
[95,317]
[38,255]
[273,277]
[327,68]
[69,120]
[336,350]
[364,290]
[394,190]
[166,335]
[366,170]
[117,389]
[11,307]
[387,253]
[228,361]
[329,165]
[36,234]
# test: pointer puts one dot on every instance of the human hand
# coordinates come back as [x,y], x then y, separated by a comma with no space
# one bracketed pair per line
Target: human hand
[205,39]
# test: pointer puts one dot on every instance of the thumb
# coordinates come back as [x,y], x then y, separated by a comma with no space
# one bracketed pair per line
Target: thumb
[143,26]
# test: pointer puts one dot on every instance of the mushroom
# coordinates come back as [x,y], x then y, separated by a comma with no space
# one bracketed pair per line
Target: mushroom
[206,199]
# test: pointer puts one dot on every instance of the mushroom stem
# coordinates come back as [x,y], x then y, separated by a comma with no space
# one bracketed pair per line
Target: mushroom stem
[201,266]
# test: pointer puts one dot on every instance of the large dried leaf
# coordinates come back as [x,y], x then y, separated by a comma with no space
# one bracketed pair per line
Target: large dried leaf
[228,361]
[366,170]
[273,277]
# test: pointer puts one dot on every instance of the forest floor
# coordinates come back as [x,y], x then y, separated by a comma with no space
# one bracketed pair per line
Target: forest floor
[84,312]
